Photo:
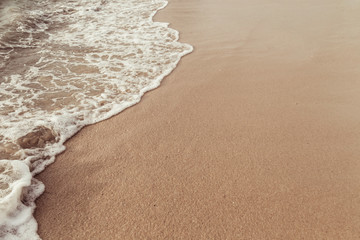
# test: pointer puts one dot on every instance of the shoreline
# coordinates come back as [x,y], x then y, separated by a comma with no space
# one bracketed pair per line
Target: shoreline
[254,135]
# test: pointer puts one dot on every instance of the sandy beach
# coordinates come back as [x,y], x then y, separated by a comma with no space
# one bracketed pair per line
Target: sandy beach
[255,135]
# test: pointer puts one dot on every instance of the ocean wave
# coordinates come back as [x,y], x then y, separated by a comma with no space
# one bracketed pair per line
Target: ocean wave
[67,64]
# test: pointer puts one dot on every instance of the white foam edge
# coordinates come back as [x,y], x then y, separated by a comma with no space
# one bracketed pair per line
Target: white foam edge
[59,147]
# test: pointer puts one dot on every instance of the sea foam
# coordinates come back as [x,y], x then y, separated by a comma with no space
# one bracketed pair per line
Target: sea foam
[63,65]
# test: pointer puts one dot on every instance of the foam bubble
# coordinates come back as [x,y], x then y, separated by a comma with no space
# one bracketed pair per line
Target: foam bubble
[16,219]
[14,176]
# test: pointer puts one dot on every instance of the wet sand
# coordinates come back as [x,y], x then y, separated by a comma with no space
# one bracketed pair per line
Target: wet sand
[255,135]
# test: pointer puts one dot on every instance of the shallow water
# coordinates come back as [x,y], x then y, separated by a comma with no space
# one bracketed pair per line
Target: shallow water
[66,64]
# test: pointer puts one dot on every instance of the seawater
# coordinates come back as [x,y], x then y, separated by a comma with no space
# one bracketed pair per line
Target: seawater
[65,64]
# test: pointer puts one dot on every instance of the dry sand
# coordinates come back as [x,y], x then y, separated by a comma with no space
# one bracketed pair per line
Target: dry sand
[256,134]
